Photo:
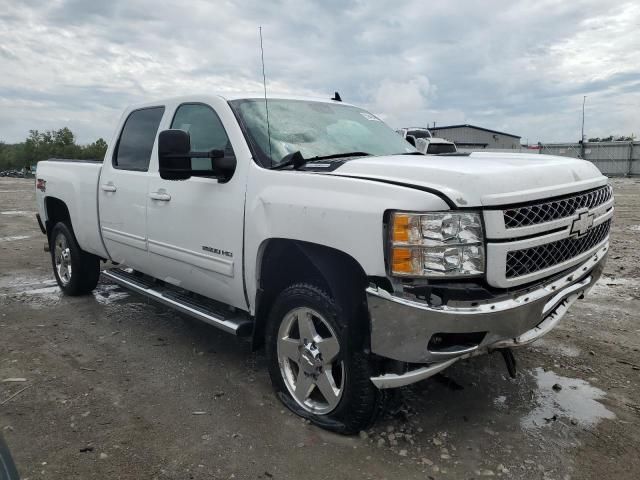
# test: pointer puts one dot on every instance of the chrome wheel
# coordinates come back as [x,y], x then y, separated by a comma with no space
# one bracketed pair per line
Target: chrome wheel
[307,354]
[62,257]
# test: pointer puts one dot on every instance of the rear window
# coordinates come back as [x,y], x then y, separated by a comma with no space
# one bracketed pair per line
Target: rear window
[133,151]
[436,148]
[419,133]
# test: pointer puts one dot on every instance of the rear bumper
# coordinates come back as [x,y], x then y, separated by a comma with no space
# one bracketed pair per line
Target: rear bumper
[401,328]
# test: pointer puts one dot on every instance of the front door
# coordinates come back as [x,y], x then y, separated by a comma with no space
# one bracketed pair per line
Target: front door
[122,189]
[195,226]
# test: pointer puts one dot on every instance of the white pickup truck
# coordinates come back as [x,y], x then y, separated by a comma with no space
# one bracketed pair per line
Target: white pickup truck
[426,143]
[319,232]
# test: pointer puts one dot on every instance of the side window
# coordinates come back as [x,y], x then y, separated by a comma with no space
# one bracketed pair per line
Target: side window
[133,151]
[205,129]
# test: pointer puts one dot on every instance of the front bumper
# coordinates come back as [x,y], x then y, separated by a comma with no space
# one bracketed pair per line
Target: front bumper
[401,328]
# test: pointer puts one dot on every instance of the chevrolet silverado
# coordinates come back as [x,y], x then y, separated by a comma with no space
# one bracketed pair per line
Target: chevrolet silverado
[315,230]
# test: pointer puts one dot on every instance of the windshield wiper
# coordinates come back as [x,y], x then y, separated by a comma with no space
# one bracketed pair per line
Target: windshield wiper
[340,155]
[294,159]
[411,153]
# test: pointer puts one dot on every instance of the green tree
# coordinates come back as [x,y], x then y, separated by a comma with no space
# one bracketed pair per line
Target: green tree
[48,144]
[63,137]
[95,150]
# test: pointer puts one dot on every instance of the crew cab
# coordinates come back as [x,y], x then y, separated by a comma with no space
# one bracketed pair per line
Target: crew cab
[313,229]
[426,143]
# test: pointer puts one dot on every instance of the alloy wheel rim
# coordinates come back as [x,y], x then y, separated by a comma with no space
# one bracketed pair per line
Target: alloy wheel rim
[62,256]
[308,355]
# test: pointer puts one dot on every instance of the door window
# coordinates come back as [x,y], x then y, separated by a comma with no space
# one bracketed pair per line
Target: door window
[205,129]
[133,150]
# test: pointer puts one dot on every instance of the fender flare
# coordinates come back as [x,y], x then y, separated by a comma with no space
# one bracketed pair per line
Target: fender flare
[335,270]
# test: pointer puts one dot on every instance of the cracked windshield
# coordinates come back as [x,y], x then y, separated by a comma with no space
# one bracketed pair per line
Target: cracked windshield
[315,129]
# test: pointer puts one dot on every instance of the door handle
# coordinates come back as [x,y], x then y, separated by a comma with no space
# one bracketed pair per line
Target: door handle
[162,196]
[108,187]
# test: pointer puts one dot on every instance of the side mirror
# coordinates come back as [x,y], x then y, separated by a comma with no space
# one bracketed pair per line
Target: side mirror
[174,161]
[174,158]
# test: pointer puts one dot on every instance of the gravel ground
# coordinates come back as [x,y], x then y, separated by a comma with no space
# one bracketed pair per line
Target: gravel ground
[113,386]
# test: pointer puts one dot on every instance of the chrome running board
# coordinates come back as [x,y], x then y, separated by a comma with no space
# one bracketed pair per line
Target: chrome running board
[211,312]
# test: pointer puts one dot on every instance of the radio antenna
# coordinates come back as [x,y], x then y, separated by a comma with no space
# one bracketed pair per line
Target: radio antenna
[266,104]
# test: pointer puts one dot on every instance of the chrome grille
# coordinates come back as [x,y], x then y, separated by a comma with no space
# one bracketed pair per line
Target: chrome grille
[534,259]
[554,209]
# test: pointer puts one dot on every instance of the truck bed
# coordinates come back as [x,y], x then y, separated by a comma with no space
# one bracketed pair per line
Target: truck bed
[75,182]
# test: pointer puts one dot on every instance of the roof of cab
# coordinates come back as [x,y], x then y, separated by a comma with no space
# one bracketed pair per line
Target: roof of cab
[235,96]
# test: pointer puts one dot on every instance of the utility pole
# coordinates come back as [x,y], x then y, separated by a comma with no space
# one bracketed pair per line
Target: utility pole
[584,99]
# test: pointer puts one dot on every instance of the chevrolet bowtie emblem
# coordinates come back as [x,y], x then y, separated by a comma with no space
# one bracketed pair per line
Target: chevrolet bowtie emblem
[582,223]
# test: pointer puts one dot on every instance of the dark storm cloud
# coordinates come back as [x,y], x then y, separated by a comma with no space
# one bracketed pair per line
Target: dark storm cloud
[516,66]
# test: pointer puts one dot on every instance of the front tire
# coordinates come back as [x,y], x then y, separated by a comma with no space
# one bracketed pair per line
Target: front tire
[76,271]
[317,364]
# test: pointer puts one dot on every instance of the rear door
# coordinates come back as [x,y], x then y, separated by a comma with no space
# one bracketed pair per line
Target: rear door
[123,186]
[195,226]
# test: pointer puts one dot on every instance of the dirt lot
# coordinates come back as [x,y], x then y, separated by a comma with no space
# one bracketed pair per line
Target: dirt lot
[121,388]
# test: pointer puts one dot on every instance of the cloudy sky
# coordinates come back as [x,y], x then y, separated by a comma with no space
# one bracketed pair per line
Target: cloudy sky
[520,67]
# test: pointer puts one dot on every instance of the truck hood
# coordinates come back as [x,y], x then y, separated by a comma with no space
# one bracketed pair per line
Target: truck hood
[480,178]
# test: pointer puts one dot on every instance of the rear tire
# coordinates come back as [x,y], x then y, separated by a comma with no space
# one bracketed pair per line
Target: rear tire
[317,364]
[76,271]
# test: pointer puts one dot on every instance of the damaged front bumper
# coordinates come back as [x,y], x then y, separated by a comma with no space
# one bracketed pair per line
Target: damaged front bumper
[401,328]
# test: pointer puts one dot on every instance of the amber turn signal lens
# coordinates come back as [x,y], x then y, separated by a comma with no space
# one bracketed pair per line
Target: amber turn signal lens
[401,260]
[400,228]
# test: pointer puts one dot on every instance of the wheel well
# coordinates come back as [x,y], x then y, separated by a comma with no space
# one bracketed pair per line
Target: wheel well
[284,262]
[57,211]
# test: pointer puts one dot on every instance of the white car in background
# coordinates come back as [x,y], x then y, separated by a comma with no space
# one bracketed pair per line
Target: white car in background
[426,143]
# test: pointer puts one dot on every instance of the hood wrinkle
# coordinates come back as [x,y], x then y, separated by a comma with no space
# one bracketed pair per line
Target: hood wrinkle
[482,178]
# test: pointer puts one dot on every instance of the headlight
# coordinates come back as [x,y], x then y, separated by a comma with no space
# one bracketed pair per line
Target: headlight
[443,244]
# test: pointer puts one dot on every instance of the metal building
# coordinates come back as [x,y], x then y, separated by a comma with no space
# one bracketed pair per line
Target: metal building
[472,137]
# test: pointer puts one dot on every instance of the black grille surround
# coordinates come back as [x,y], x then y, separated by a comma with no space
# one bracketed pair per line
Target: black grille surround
[550,210]
[533,259]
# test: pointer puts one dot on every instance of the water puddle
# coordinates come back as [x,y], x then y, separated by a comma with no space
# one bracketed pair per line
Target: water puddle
[47,289]
[42,288]
[14,238]
[50,293]
[572,398]
[17,212]
[107,294]
[16,282]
